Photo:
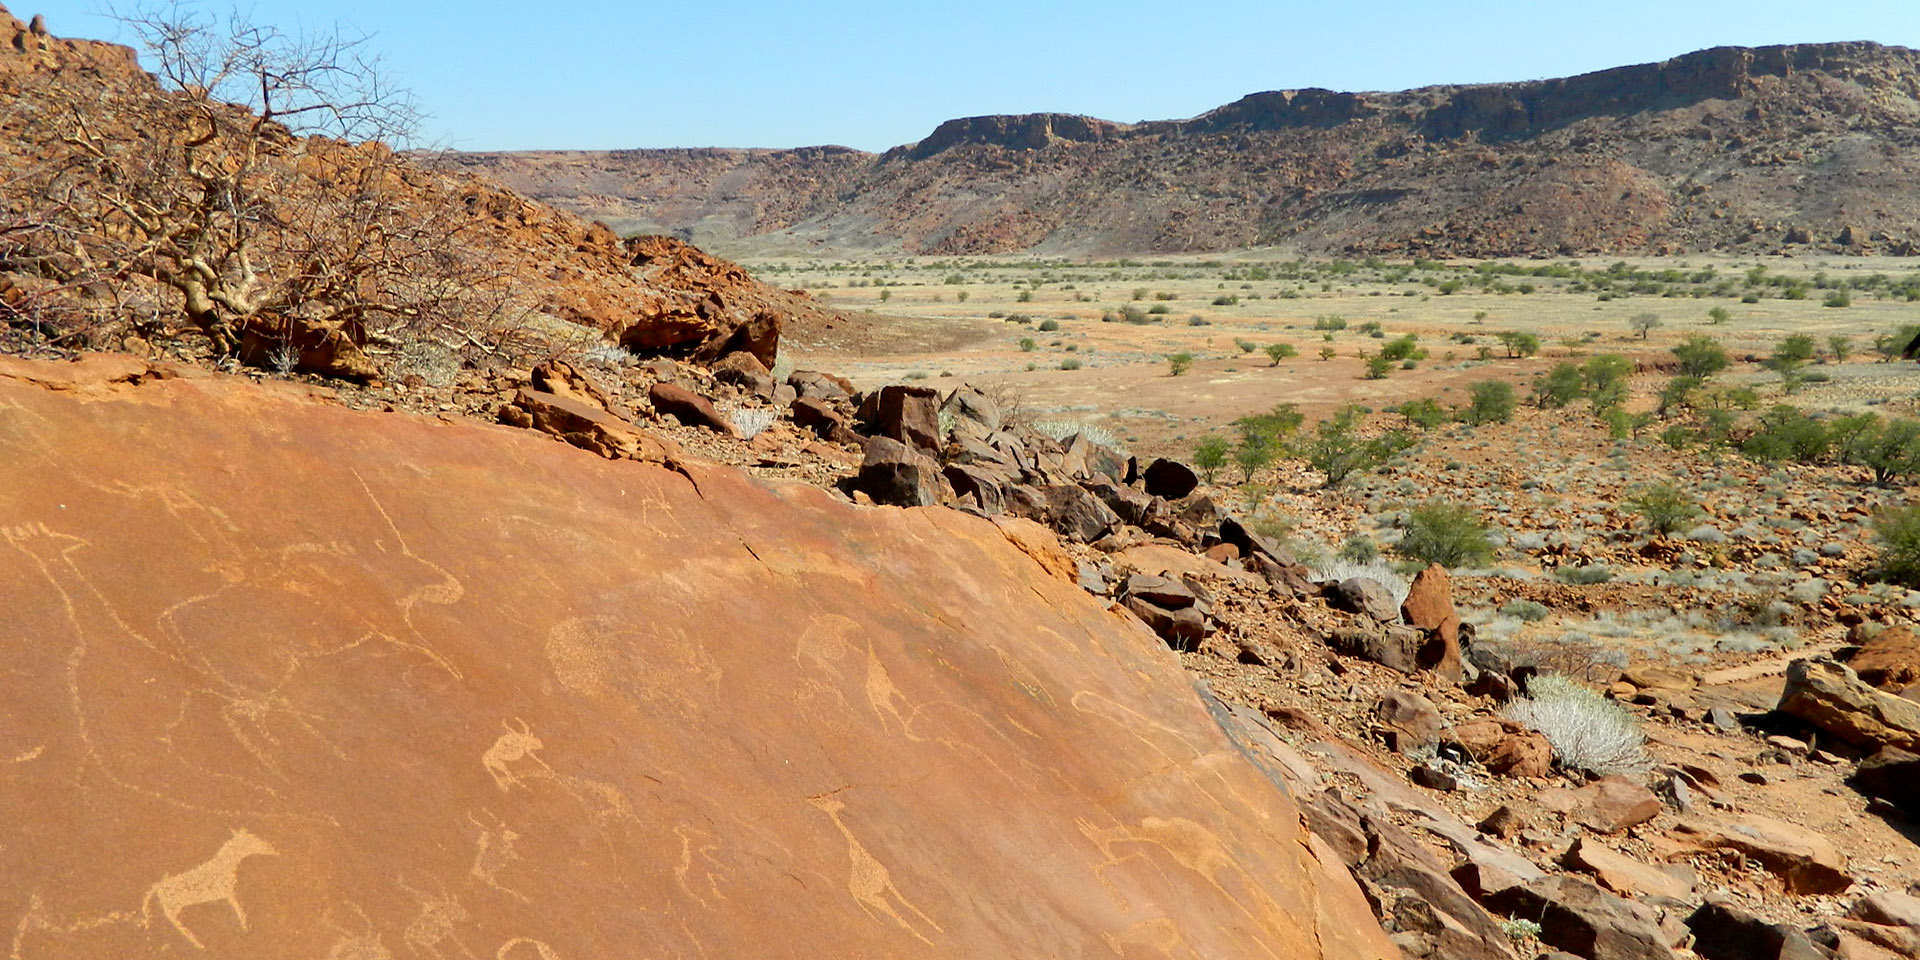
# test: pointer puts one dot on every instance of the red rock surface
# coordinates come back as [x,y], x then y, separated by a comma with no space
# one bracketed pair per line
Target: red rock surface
[281,679]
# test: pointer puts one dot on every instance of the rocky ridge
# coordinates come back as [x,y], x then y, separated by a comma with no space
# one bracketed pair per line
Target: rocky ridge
[525,279]
[1731,149]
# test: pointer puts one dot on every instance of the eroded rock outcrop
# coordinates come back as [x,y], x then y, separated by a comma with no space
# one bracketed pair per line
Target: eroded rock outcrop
[284,679]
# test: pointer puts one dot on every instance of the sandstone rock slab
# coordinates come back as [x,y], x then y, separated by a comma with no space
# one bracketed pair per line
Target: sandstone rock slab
[383,680]
[1830,696]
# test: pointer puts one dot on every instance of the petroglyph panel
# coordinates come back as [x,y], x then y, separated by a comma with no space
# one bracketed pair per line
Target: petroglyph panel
[282,679]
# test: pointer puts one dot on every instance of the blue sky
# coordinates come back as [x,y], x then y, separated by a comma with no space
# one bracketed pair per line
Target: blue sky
[609,74]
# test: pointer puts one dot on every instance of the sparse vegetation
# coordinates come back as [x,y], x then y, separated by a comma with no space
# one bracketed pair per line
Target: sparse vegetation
[1665,507]
[1700,356]
[1588,732]
[1449,534]
[1336,448]
[1491,401]
[1898,532]
[1210,455]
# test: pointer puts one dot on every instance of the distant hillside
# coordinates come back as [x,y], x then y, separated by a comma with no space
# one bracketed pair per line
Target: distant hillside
[1729,149]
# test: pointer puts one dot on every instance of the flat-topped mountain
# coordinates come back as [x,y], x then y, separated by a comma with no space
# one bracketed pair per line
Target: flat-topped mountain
[1728,149]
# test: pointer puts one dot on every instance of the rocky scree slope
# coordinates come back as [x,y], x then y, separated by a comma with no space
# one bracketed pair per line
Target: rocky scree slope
[383,682]
[1728,149]
[356,262]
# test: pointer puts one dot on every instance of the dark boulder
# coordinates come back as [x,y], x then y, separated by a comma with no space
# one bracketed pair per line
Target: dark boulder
[1170,479]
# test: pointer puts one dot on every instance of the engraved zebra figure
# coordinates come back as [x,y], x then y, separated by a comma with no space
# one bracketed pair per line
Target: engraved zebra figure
[210,882]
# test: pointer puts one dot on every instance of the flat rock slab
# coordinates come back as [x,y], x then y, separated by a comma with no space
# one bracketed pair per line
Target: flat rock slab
[1807,861]
[282,679]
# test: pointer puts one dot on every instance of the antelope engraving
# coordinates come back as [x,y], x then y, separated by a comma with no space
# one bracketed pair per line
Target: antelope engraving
[511,747]
[210,882]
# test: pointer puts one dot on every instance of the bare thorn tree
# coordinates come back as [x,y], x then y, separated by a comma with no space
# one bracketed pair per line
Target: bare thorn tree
[255,195]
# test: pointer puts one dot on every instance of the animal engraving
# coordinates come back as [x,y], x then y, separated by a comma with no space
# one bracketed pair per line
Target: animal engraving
[869,880]
[511,747]
[210,882]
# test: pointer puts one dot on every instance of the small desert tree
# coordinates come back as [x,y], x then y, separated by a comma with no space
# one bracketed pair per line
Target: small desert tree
[1899,534]
[1700,356]
[1518,343]
[1489,401]
[1666,507]
[1561,386]
[1210,455]
[1449,534]
[1264,435]
[1891,449]
[1336,448]
[1280,351]
[1643,322]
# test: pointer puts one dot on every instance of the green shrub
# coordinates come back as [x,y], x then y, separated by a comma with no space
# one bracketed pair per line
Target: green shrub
[1792,352]
[1210,455]
[1891,449]
[1642,322]
[1606,371]
[1425,413]
[1070,363]
[1048,325]
[1666,507]
[1840,346]
[1784,433]
[1676,394]
[1519,344]
[1272,427]
[1526,610]
[1889,345]
[1562,385]
[1700,356]
[1403,348]
[1330,322]
[1179,363]
[1328,353]
[1027,344]
[1245,345]
[1254,453]
[1336,449]
[1449,534]
[1281,351]
[1720,315]
[1583,574]
[1159,308]
[1225,300]
[1838,298]
[1359,549]
[1489,401]
[1899,534]
[1378,367]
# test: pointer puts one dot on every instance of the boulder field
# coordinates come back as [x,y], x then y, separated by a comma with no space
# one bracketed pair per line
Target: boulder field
[282,679]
